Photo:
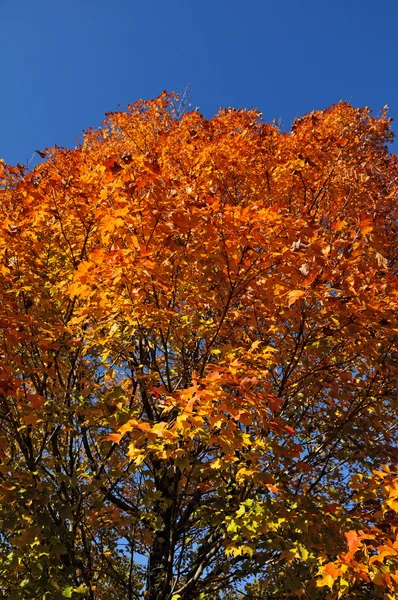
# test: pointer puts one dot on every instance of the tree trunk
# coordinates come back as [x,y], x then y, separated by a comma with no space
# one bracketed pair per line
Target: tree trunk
[160,564]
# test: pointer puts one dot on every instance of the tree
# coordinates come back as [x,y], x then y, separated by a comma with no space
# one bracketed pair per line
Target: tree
[199,360]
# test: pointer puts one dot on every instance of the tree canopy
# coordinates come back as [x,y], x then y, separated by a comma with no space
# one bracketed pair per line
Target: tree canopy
[198,374]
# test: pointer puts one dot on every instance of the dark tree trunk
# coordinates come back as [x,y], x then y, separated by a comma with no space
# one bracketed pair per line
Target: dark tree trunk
[160,564]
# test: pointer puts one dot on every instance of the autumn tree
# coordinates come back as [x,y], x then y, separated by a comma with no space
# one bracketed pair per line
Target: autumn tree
[199,360]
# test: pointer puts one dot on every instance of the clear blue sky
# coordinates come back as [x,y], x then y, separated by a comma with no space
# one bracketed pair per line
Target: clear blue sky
[64,64]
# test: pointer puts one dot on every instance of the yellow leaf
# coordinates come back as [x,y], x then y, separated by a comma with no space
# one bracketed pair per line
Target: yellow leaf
[129,426]
[294,295]
[302,552]
[255,345]
[393,504]
[158,429]
[326,580]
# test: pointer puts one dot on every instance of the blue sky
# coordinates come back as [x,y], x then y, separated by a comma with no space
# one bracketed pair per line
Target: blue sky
[64,64]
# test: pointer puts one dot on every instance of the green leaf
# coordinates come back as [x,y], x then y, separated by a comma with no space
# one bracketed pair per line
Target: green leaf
[82,589]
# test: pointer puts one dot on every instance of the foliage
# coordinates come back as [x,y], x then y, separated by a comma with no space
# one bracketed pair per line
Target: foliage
[199,360]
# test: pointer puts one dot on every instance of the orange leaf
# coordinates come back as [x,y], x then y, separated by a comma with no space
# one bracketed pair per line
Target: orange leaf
[37,401]
[353,541]
[113,437]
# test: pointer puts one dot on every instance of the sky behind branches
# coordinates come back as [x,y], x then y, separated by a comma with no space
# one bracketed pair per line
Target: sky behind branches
[65,64]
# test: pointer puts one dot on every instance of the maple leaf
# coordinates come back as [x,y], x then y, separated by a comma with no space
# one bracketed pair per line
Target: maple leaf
[294,295]
[113,437]
[329,574]
[353,541]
